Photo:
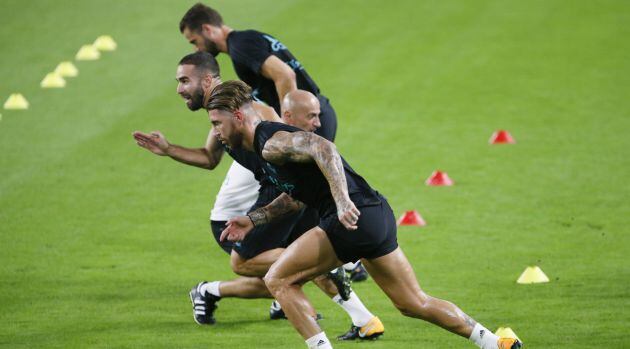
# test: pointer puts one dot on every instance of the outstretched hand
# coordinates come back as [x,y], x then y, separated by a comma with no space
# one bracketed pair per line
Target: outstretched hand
[348,214]
[154,142]
[237,228]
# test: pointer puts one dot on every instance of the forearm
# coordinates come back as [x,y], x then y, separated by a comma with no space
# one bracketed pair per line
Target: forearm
[285,85]
[329,162]
[199,157]
[281,206]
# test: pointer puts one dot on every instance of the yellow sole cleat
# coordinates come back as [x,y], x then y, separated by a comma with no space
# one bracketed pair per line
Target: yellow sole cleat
[371,331]
[509,343]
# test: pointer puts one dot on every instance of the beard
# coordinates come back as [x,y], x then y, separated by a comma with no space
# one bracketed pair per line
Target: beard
[235,141]
[211,47]
[195,100]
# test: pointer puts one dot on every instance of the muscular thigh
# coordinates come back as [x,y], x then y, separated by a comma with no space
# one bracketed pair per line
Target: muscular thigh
[395,276]
[307,257]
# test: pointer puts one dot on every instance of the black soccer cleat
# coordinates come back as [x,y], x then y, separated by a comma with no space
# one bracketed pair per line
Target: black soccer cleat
[359,273]
[204,305]
[371,331]
[342,281]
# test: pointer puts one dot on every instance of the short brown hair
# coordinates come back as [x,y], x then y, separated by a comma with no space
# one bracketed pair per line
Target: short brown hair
[198,15]
[229,96]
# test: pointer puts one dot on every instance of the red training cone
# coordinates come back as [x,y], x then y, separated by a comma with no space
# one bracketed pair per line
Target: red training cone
[439,178]
[501,137]
[411,218]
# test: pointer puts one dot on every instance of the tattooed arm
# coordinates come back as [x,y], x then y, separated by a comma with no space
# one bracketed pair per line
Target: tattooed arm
[238,227]
[285,147]
[280,206]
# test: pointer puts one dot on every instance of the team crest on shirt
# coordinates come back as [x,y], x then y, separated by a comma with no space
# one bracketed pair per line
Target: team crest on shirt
[275,44]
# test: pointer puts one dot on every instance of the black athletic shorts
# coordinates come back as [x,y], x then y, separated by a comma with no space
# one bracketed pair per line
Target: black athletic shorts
[308,220]
[328,119]
[217,227]
[278,234]
[267,236]
[375,236]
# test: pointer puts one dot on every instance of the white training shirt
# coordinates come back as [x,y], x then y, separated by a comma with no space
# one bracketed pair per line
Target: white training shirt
[237,195]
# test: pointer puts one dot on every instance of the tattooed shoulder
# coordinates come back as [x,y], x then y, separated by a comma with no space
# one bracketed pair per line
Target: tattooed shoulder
[289,146]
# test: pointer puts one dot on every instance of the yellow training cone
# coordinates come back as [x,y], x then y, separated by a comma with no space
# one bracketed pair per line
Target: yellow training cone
[105,43]
[16,101]
[67,70]
[506,332]
[53,80]
[87,53]
[532,275]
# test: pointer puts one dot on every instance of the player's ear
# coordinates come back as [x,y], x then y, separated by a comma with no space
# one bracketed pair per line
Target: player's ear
[206,83]
[286,115]
[206,29]
[238,114]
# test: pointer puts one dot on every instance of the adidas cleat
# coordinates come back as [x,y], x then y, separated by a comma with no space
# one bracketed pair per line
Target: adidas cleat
[203,305]
[342,281]
[509,343]
[371,331]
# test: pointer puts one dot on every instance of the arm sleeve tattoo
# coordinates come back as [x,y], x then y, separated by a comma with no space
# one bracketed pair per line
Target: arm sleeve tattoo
[305,147]
[279,207]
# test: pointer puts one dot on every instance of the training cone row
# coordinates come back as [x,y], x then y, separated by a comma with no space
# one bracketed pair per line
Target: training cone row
[66,69]
[411,218]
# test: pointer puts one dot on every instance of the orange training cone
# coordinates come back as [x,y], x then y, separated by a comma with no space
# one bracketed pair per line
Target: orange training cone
[439,178]
[501,137]
[411,218]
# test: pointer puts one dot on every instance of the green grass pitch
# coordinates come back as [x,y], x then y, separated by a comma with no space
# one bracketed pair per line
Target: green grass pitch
[100,241]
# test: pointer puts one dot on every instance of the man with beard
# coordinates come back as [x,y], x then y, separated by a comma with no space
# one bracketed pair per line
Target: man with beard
[197,74]
[265,64]
[355,221]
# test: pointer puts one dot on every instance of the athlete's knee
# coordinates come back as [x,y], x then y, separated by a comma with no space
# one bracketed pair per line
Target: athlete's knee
[277,280]
[239,265]
[274,283]
[416,307]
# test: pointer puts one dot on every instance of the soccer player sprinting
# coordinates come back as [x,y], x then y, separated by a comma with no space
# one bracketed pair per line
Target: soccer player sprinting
[266,65]
[197,74]
[355,221]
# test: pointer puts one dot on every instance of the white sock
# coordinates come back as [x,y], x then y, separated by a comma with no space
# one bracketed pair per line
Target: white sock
[483,337]
[212,288]
[354,307]
[351,266]
[319,341]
